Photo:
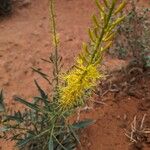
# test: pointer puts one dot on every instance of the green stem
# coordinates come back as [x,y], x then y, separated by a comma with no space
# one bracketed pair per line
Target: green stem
[56,70]
[59,143]
[103,31]
[101,36]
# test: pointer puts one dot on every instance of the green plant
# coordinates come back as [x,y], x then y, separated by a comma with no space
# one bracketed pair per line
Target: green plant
[133,39]
[5,7]
[44,124]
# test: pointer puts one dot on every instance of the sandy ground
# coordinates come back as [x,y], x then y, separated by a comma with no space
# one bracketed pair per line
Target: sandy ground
[25,39]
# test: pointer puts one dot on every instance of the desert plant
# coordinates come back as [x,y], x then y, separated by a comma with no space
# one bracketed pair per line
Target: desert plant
[5,7]
[44,123]
[133,39]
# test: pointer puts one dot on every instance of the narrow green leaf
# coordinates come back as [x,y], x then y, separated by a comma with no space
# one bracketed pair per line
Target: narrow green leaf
[30,105]
[83,124]
[42,93]
[4,129]
[50,144]
[45,76]
[1,96]
[40,72]
[2,107]
[71,127]
[23,142]
[14,117]
[45,60]
[30,138]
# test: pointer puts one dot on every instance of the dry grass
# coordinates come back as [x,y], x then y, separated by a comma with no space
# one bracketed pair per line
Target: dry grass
[138,131]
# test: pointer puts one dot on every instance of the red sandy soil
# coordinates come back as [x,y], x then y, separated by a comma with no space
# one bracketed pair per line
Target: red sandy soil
[25,39]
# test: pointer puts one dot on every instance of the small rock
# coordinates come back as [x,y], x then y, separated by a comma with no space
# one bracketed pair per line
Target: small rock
[44,17]
[16,44]
[89,144]
[41,25]
[47,44]
[118,117]
[35,33]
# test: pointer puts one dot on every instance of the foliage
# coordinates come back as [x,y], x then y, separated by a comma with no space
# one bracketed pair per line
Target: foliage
[5,7]
[133,35]
[44,123]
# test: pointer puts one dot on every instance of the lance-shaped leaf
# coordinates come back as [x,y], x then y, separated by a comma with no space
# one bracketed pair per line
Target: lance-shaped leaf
[50,144]
[83,124]
[42,93]
[2,107]
[45,76]
[28,104]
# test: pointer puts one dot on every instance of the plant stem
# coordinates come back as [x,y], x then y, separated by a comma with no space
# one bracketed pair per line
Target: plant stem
[56,70]
[103,31]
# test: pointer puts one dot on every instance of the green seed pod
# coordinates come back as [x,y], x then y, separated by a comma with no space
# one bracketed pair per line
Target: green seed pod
[95,20]
[120,7]
[106,3]
[109,37]
[83,58]
[99,6]
[91,35]
[107,45]
[85,49]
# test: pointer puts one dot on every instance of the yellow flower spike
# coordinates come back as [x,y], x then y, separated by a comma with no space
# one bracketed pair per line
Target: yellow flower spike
[83,58]
[76,85]
[84,75]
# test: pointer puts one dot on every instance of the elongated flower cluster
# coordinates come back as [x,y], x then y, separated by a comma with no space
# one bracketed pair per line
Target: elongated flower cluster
[85,73]
[78,80]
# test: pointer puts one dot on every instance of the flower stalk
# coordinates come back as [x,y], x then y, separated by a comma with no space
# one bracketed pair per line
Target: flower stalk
[85,73]
[55,42]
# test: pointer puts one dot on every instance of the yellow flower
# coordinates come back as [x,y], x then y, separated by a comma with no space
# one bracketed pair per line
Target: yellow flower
[78,80]
[85,74]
